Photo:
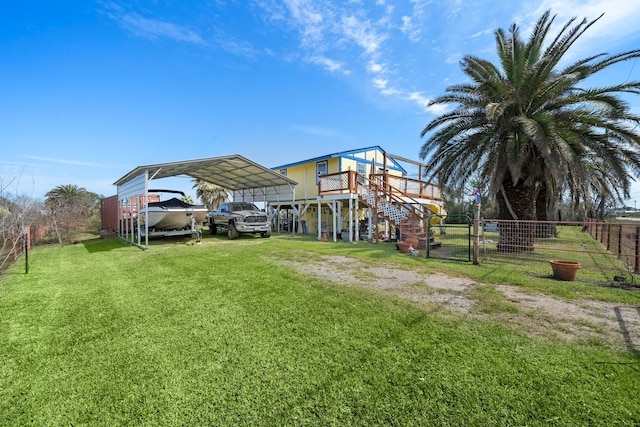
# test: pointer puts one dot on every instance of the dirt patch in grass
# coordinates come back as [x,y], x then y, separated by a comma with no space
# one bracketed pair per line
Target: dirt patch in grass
[586,321]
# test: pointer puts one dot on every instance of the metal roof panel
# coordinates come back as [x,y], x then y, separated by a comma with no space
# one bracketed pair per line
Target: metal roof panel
[232,172]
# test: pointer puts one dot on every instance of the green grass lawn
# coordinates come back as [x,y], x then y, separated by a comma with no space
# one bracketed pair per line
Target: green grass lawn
[102,333]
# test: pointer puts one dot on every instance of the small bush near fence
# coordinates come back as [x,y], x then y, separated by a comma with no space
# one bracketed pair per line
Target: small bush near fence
[608,253]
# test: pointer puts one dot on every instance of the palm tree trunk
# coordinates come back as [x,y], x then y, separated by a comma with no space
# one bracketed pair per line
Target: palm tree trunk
[543,228]
[514,206]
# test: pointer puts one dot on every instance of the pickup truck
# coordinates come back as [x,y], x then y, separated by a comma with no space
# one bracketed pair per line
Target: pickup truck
[239,218]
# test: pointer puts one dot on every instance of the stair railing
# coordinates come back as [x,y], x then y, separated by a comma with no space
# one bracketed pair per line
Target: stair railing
[407,214]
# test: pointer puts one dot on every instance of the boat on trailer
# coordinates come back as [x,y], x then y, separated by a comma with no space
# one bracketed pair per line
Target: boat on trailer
[172,214]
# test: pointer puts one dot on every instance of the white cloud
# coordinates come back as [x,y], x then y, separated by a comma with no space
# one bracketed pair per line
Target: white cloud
[154,29]
[362,33]
[353,36]
[453,58]
[416,97]
[328,64]
[391,92]
[423,102]
[618,23]
[380,83]
[310,22]
[489,30]
[237,47]
[411,24]
[68,162]
[374,67]
[317,131]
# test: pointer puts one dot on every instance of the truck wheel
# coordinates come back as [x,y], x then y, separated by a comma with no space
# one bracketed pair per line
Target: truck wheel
[232,232]
[266,234]
[213,229]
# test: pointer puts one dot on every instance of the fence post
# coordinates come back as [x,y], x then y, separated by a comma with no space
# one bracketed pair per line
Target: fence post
[26,252]
[619,240]
[476,234]
[637,251]
[608,228]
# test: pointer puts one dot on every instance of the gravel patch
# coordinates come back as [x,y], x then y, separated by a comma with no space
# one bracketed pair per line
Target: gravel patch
[538,314]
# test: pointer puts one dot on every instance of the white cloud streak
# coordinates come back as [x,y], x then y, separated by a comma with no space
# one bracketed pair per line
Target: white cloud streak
[329,64]
[618,24]
[68,162]
[316,131]
[357,36]
[154,29]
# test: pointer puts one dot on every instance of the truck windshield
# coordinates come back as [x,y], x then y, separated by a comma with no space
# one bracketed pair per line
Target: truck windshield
[245,207]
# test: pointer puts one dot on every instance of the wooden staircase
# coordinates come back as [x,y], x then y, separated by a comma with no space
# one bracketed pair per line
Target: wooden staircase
[406,214]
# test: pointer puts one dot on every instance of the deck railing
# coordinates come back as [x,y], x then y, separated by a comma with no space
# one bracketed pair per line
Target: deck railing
[338,183]
[346,182]
[411,187]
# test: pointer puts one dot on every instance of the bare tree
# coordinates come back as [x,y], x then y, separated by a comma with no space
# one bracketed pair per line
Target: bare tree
[17,214]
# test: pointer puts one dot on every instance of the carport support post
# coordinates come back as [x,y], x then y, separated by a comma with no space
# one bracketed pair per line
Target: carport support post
[138,231]
[476,234]
[130,235]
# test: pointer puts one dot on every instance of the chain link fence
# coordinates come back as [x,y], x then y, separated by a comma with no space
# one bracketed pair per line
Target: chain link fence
[608,253]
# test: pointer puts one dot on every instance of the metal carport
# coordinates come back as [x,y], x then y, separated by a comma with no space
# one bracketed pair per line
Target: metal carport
[248,180]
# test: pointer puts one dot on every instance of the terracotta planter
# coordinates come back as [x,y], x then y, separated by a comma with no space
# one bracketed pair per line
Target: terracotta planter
[403,247]
[412,241]
[564,270]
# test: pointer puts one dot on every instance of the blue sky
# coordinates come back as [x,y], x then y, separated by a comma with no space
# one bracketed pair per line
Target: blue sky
[91,89]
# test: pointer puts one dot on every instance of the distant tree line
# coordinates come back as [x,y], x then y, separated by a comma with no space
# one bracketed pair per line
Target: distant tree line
[67,212]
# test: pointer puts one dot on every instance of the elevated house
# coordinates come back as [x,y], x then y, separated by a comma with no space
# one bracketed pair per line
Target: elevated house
[358,194]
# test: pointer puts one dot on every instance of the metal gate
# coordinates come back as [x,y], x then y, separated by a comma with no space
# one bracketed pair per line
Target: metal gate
[451,237]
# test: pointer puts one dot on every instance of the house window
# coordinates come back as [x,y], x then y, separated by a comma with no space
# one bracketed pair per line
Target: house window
[361,168]
[321,169]
[283,172]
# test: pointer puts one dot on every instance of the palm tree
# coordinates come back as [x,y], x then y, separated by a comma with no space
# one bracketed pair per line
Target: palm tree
[210,194]
[69,206]
[187,199]
[529,128]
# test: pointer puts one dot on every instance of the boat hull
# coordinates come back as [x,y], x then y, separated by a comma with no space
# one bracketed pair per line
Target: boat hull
[172,214]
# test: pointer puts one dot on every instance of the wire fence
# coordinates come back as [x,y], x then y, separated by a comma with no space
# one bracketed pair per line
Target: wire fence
[17,242]
[607,253]
[450,238]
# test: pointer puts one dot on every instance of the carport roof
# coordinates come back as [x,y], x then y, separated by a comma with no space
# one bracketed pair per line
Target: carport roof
[232,172]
